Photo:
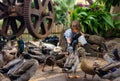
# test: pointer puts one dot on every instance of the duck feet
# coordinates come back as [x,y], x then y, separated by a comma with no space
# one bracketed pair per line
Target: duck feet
[77,76]
[69,76]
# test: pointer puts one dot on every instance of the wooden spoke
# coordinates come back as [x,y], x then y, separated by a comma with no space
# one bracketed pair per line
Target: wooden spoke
[5,25]
[35,12]
[3,7]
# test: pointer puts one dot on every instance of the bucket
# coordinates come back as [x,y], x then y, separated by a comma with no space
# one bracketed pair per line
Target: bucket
[82,40]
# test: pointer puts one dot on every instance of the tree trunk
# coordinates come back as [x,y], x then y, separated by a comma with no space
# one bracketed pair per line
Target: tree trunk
[115,10]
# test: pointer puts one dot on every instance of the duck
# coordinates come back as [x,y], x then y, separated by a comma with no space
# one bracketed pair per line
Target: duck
[86,66]
[9,54]
[71,65]
[4,78]
[47,45]
[51,39]
[51,60]
[110,71]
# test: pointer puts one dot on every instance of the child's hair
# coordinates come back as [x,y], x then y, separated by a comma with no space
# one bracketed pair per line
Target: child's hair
[77,23]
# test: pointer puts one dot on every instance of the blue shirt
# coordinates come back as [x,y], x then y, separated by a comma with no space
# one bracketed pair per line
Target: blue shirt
[68,33]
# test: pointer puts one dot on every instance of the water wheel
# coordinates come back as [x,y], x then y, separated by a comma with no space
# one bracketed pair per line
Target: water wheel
[38,15]
[12,15]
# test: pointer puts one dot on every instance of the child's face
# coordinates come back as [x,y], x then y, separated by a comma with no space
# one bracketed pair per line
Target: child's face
[75,28]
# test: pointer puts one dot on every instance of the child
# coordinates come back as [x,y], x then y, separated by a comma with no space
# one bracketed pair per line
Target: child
[73,35]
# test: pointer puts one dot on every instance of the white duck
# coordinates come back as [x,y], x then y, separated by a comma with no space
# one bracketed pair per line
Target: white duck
[47,45]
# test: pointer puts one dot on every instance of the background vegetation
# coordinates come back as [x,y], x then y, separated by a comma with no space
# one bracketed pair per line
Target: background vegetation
[95,18]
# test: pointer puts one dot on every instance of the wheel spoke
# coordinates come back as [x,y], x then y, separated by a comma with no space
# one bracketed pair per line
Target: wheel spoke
[3,7]
[45,3]
[3,15]
[37,26]
[5,26]
[48,9]
[35,12]
[7,2]
[48,17]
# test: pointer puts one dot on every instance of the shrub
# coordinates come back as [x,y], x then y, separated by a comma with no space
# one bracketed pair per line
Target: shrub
[94,19]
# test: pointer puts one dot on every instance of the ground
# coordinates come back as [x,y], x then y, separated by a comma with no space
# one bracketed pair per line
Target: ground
[58,75]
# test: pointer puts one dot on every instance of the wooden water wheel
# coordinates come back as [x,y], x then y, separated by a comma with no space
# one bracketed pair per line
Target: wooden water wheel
[39,17]
[36,15]
[11,14]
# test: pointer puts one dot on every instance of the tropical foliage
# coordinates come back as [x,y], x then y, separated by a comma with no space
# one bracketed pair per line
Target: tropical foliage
[61,8]
[109,3]
[94,19]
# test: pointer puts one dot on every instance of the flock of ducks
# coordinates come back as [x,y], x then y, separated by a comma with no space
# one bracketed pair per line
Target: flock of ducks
[71,61]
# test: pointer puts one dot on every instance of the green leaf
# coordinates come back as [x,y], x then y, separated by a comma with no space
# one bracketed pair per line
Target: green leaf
[83,28]
[108,19]
[82,14]
[73,16]
[96,30]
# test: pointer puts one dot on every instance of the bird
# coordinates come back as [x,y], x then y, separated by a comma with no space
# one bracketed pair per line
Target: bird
[85,66]
[51,39]
[110,71]
[116,54]
[47,45]
[51,59]
[9,54]
[71,64]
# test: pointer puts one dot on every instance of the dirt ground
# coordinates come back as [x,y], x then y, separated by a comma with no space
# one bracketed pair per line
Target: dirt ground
[39,75]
